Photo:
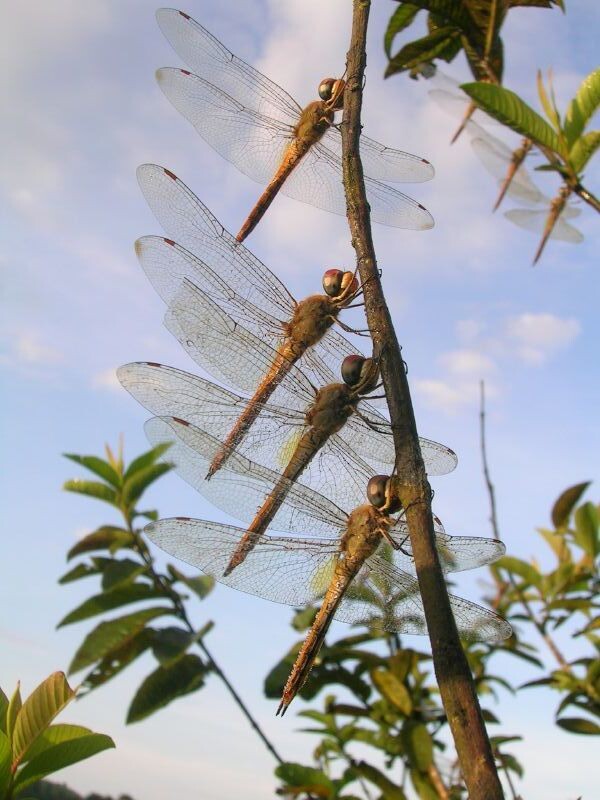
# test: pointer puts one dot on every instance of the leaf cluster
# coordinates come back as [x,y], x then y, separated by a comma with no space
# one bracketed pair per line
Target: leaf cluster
[31,746]
[120,558]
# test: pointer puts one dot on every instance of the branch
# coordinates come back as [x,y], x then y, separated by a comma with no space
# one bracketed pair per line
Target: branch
[452,671]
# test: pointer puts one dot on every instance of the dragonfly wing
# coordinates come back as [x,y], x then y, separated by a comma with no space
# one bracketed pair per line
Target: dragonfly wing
[240,486]
[378,449]
[229,352]
[205,54]
[237,272]
[455,103]
[401,607]
[255,143]
[317,180]
[536,220]
[383,163]
[496,158]
[281,569]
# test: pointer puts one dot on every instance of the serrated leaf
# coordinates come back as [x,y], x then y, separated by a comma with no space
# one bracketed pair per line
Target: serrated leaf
[98,466]
[547,104]
[38,711]
[121,571]
[443,43]
[311,780]
[394,691]
[107,537]
[166,684]
[402,17]
[146,459]
[61,755]
[138,482]
[579,725]
[582,107]
[587,529]
[118,659]
[113,634]
[100,491]
[583,149]
[508,108]
[564,505]
[79,571]
[107,601]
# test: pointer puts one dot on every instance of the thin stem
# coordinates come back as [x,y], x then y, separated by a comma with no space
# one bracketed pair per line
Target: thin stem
[586,195]
[452,671]
[550,643]
[164,586]
[438,783]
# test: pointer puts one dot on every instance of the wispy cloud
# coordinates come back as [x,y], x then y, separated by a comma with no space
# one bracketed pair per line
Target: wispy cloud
[539,336]
[106,381]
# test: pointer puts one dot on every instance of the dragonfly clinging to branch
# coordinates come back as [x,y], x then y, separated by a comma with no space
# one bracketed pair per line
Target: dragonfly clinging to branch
[260,128]
[358,564]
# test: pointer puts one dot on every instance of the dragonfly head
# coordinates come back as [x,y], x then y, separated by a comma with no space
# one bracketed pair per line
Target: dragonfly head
[339,284]
[360,373]
[380,494]
[331,90]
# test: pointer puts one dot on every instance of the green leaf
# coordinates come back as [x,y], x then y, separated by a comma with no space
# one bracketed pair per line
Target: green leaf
[14,706]
[510,110]
[3,710]
[442,43]
[146,459]
[579,725]
[55,734]
[562,508]
[518,567]
[583,149]
[312,781]
[201,585]
[394,691]
[166,684]
[303,619]
[170,643]
[60,756]
[547,104]
[390,790]
[81,570]
[38,711]
[98,466]
[582,107]
[423,786]
[587,529]
[113,634]
[99,603]
[137,484]
[418,744]
[121,571]
[118,659]
[5,773]
[95,489]
[400,19]
[105,538]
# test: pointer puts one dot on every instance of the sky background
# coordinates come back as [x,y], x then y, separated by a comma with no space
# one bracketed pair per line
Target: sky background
[81,110]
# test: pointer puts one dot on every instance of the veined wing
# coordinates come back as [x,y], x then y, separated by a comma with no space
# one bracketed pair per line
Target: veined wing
[457,553]
[189,222]
[379,449]
[241,485]
[207,56]
[229,352]
[385,593]
[255,143]
[383,163]
[242,283]
[536,220]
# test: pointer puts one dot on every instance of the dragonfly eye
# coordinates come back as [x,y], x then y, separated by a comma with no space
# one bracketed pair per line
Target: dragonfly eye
[352,369]
[326,88]
[378,494]
[337,283]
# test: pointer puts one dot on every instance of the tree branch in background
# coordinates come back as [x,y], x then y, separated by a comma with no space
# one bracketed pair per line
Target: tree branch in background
[451,668]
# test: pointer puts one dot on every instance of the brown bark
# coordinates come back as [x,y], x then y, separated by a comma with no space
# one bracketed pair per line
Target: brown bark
[451,667]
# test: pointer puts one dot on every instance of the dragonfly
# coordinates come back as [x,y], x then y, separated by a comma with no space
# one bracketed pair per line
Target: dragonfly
[256,125]
[551,218]
[358,564]
[312,416]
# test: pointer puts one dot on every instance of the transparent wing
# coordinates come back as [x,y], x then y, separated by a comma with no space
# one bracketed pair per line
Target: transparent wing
[383,163]
[205,54]
[240,487]
[496,157]
[256,144]
[238,274]
[535,221]
[281,569]
[382,591]
[455,103]
[236,279]
[231,353]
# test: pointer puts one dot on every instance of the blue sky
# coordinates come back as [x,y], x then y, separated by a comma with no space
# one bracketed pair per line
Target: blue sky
[81,111]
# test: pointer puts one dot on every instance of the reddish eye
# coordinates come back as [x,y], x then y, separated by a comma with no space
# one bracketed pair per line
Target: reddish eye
[376,490]
[332,282]
[352,367]
[326,88]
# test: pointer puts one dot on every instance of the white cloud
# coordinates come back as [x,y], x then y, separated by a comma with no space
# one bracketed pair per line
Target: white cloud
[27,348]
[106,380]
[539,336]
[466,362]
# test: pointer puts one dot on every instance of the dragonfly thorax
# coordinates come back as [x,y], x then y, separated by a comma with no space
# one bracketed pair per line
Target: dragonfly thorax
[314,122]
[312,318]
[364,532]
[333,405]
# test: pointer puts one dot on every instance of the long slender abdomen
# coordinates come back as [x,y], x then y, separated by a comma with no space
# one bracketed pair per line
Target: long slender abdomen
[294,152]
